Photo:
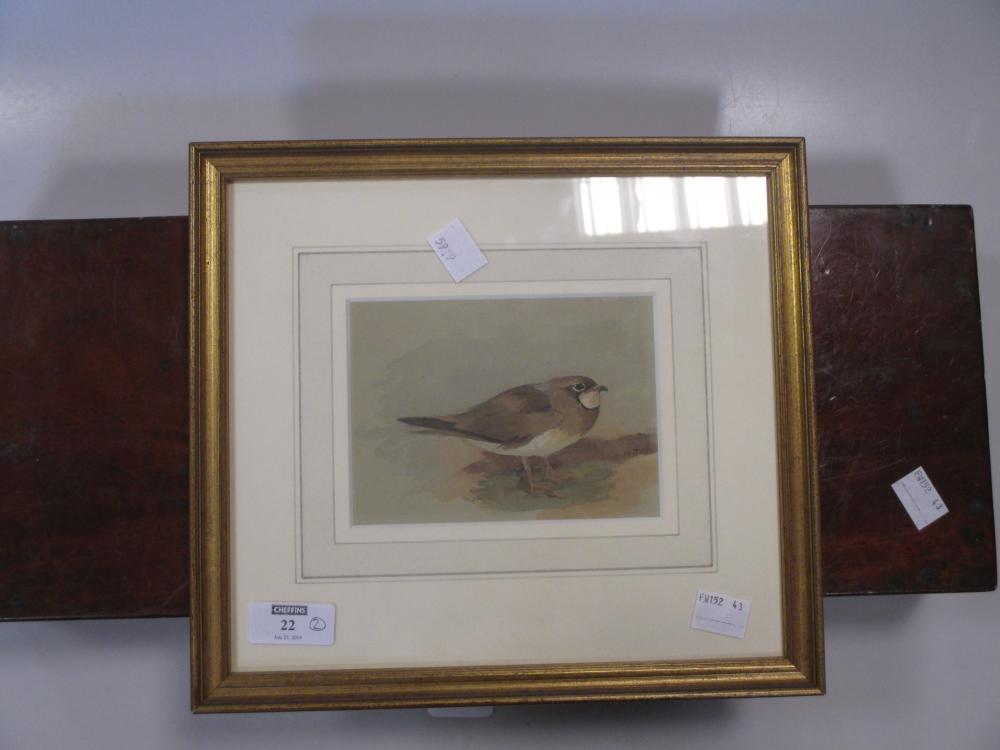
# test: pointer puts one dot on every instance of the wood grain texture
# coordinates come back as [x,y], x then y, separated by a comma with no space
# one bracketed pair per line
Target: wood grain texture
[93,420]
[900,384]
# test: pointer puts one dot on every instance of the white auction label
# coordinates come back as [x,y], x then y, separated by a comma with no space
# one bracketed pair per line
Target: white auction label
[292,623]
[456,250]
[721,614]
[919,497]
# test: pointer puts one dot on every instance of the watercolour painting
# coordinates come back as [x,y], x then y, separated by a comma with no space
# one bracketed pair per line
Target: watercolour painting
[503,409]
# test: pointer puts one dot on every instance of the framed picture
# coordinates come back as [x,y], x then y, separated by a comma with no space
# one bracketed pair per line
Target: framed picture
[584,472]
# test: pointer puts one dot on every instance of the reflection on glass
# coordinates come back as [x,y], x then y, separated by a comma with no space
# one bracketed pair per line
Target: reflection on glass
[601,205]
[707,202]
[751,197]
[656,204]
[616,205]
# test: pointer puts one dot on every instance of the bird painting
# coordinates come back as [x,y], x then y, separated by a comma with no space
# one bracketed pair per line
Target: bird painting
[528,421]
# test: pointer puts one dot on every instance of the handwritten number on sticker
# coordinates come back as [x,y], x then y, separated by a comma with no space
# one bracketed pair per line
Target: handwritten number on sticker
[457,250]
[721,614]
[713,599]
[441,244]
[919,497]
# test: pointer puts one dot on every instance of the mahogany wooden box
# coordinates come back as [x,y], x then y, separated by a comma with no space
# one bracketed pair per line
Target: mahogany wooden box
[94,418]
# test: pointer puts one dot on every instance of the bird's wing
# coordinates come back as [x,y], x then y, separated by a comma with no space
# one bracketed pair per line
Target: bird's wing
[511,418]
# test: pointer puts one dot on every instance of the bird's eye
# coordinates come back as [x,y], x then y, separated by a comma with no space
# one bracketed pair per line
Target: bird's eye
[579,387]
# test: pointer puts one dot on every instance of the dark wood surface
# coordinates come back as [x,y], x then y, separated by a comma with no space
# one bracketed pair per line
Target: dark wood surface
[93,420]
[899,384]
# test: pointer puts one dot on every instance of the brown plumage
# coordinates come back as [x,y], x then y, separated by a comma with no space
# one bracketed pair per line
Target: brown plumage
[526,421]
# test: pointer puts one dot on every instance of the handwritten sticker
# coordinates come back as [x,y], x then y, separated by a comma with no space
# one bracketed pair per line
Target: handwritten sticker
[292,623]
[721,614]
[456,250]
[919,497]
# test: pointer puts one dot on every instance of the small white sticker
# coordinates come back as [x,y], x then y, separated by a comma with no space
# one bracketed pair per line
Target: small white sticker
[919,497]
[292,623]
[721,614]
[456,250]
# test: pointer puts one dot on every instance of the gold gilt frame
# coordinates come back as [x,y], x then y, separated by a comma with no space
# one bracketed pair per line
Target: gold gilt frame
[215,684]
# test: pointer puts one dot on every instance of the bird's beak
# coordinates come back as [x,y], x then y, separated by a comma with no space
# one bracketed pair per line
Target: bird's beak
[591,397]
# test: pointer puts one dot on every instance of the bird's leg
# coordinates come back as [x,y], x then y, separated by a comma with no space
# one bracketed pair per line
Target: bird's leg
[548,467]
[527,474]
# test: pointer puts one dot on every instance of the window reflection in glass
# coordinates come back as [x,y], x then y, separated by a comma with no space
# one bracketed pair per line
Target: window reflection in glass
[617,205]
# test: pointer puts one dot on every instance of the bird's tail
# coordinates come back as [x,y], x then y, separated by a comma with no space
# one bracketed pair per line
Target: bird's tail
[439,426]
[430,423]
